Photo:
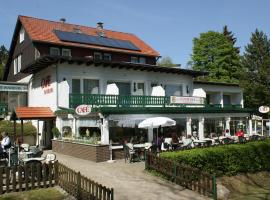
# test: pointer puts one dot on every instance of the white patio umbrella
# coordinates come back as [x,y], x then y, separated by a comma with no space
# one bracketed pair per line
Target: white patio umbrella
[156,122]
[158,91]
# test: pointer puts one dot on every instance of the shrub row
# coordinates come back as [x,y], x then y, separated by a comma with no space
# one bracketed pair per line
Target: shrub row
[8,126]
[226,159]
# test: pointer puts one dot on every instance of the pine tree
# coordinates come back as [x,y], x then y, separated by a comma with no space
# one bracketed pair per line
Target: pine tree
[3,59]
[214,53]
[256,75]
[230,36]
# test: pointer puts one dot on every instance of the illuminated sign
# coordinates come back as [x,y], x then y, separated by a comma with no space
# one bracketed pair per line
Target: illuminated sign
[83,110]
[264,109]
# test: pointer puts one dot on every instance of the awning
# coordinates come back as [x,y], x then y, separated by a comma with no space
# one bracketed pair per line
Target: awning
[34,113]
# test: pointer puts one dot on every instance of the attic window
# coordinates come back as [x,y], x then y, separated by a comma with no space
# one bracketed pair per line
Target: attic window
[22,35]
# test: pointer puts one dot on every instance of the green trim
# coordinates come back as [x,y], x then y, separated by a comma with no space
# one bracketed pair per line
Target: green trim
[3,108]
[169,110]
[64,111]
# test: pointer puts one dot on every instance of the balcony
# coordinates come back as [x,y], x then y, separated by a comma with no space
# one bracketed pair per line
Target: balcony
[101,100]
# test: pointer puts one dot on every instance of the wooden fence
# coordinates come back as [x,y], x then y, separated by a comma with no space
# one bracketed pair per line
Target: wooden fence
[36,175]
[81,187]
[27,177]
[186,176]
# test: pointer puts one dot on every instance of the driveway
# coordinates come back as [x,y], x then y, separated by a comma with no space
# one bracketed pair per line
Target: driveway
[130,181]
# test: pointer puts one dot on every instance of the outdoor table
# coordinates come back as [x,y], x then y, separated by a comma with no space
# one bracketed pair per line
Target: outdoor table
[201,142]
[25,160]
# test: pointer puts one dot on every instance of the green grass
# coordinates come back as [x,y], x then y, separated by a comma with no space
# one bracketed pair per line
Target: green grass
[39,194]
[248,186]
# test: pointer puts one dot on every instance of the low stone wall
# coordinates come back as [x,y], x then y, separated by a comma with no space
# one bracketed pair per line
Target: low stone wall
[118,154]
[96,153]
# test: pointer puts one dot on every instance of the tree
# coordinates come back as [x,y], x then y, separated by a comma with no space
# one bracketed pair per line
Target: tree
[214,53]
[256,63]
[229,35]
[3,60]
[167,62]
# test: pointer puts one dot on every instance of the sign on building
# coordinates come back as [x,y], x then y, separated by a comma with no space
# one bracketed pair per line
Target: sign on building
[186,100]
[13,88]
[83,110]
[264,109]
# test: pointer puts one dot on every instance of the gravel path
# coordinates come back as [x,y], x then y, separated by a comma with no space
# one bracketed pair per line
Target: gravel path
[130,181]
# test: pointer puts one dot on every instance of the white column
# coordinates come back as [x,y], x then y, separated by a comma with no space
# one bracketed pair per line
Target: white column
[74,127]
[150,135]
[227,123]
[250,126]
[188,126]
[201,128]
[105,139]
[221,98]
[242,100]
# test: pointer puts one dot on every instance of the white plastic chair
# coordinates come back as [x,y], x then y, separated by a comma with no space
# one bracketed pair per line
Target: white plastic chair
[51,157]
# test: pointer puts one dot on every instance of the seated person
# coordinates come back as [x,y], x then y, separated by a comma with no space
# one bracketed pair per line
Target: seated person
[240,133]
[227,134]
[188,142]
[5,143]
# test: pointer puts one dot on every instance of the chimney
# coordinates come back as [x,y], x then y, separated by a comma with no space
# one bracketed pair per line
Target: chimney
[100,30]
[100,25]
[63,20]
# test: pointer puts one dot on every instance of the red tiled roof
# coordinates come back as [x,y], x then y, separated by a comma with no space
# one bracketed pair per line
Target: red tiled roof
[34,112]
[42,30]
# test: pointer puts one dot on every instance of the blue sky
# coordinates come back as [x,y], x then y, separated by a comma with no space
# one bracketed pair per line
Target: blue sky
[168,26]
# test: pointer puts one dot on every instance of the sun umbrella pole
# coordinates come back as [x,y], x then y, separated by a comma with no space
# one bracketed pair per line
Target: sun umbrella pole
[157,140]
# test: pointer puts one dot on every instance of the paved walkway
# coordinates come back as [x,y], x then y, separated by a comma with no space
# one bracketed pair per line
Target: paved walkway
[130,181]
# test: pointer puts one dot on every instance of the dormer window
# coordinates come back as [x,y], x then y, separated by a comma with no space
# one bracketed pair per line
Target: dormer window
[54,51]
[17,64]
[107,57]
[134,59]
[66,52]
[97,56]
[22,35]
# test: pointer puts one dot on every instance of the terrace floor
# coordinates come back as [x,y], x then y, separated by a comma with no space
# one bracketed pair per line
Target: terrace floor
[130,181]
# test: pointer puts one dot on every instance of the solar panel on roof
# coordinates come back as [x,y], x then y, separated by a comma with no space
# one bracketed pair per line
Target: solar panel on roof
[95,40]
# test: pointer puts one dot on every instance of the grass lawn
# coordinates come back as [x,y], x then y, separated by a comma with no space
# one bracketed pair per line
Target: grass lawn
[248,187]
[39,194]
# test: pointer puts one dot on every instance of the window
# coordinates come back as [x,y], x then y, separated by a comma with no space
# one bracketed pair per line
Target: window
[138,88]
[124,87]
[54,51]
[142,60]
[37,53]
[97,56]
[17,64]
[187,89]
[90,86]
[134,59]
[76,86]
[226,99]
[107,57]
[66,52]
[22,35]
[174,90]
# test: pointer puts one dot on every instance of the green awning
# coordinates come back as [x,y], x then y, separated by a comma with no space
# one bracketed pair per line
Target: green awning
[64,111]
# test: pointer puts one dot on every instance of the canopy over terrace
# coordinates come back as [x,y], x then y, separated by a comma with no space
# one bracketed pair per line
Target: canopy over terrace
[31,113]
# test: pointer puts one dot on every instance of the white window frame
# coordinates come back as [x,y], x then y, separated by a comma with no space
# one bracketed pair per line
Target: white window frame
[109,55]
[66,50]
[37,53]
[54,48]
[142,60]
[134,57]
[99,54]
[15,64]
[19,63]
[22,35]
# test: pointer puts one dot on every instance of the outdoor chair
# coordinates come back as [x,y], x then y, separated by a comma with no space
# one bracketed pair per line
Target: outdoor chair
[241,140]
[51,157]
[227,141]
[130,153]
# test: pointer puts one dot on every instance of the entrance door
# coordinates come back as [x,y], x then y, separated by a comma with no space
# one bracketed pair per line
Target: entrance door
[47,135]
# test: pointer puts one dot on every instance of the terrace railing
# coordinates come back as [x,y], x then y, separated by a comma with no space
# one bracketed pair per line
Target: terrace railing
[186,176]
[3,108]
[121,100]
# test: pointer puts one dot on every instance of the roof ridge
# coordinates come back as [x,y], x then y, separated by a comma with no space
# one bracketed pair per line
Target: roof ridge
[24,16]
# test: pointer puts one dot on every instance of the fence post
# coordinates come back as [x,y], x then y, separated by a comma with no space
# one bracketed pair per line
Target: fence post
[78,185]
[112,194]
[174,171]
[146,159]
[214,187]
[56,171]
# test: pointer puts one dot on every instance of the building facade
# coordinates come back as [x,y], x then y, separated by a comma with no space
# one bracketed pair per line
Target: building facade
[72,69]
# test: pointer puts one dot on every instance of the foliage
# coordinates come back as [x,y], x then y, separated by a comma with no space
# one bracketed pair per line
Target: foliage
[226,159]
[56,132]
[167,62]
[255,78]
[39,194]
[8,126]
[229,35]
[213,52]
[3,59]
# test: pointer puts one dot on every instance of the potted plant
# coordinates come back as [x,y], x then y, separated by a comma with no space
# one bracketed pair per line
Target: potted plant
[56,132]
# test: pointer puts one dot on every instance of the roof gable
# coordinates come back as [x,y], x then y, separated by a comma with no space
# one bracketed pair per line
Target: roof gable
[41,30]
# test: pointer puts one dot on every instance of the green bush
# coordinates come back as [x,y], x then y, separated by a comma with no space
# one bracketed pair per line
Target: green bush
[8,126]
[226,159]
[56,132]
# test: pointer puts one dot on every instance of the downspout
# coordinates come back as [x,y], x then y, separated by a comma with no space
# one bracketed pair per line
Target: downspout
[56,78]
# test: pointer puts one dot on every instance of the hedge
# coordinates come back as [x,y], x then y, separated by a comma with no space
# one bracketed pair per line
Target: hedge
[8,126]
[226,159]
